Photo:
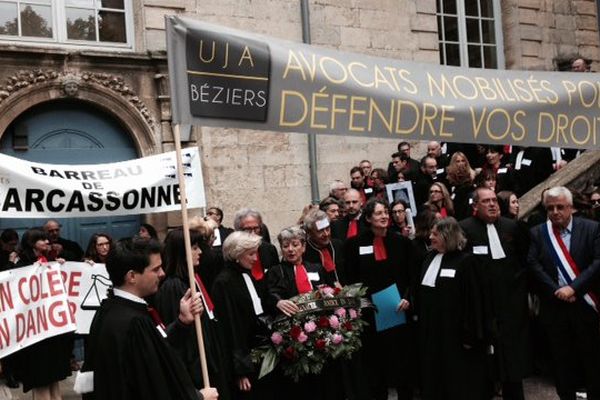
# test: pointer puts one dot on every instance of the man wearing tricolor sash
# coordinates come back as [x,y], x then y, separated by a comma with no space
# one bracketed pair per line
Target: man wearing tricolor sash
[564,258]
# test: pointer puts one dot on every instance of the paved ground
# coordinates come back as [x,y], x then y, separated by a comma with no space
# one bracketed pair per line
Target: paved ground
[535,389]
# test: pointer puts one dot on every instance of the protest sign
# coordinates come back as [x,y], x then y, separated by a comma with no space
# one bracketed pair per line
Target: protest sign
[33,306]
[146,185]
[226,77]
[86,287]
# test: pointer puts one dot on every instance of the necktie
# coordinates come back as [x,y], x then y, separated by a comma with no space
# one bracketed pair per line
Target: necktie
[157,321]
[379,250]
[327,260]
[258,271]
[495,244]
[352,229]
[302,283]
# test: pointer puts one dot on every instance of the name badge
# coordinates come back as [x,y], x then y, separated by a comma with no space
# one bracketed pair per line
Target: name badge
[526,162]
[313,276]
[480,249]
[440,171]
[447,273]
[362,250]
[470,200]
[502,170]
[452,196]
[322,224]
[368,190]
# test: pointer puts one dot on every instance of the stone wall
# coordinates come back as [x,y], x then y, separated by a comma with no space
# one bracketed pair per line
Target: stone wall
[269,170]
[539,34]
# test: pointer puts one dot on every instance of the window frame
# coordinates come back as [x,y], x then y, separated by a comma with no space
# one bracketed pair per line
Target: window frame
[463,44]
[59,30]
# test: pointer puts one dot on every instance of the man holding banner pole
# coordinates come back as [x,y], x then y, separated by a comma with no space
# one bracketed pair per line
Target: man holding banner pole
[564,258]
[128,356]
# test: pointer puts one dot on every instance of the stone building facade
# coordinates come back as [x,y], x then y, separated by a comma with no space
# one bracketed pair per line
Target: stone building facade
[268,170]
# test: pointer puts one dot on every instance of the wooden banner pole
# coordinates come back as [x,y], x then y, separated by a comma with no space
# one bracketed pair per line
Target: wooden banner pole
[188,251]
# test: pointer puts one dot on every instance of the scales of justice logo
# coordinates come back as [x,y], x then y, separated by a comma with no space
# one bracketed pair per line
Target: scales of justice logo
[96,293]
[228,76]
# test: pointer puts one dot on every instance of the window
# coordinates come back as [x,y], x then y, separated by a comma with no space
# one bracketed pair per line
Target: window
[106,23]
[470,33]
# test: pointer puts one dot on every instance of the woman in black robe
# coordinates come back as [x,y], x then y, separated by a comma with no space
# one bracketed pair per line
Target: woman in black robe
[167,300]
[240,303]
[381,259]
[292,277]
[452,348]
[44,364]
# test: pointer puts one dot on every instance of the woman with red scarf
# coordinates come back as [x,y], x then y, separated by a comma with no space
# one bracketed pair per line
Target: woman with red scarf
[292,277]
[381,260]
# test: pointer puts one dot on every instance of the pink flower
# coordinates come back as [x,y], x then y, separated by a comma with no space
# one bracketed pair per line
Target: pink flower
[302,337]
[334,322]
[337,338]
[327,291]
[353,313]
[276,338]
[310,326]
[340,312]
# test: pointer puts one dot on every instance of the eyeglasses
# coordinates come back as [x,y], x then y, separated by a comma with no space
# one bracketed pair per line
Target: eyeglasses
[252,229]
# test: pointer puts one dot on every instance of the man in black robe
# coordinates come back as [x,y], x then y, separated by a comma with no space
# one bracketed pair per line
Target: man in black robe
[423,180]
[501,249]
[250,220]
[128,351]
[351,225]
[321,248]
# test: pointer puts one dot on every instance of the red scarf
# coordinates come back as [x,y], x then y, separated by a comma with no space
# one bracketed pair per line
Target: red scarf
[327,260]
[302,283]
[258,272]
[42,260]
[352,229]
[205,296]
[379,249]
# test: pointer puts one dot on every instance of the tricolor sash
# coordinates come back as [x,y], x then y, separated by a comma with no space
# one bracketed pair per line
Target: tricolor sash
[567,268]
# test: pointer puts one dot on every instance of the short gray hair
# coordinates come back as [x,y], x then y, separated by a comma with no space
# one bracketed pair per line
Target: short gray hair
[451,233]
[311,218]
[243,213]
[557,191]
[239,242]
[336,185]
[291,233]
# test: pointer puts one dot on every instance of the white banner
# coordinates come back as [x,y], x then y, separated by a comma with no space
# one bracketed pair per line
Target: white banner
[86,286]
[142,186]
[33,306]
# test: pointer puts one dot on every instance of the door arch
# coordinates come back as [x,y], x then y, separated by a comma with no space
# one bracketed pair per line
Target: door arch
[71,132]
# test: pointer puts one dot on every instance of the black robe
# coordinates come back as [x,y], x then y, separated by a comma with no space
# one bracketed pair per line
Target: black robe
[504,283]
[242,328]
[388,354]
[313,255]
[281,280]
[166,302]
[130,358]
[450,318]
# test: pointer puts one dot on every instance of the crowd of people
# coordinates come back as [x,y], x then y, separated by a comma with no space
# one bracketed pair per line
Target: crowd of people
[481,289]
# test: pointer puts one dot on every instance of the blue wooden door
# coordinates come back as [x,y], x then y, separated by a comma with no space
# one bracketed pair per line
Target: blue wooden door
[70,132]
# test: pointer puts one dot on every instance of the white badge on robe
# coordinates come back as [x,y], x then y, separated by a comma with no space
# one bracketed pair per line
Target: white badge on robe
[519,160]
[495,244]
[252,290]
[432,271]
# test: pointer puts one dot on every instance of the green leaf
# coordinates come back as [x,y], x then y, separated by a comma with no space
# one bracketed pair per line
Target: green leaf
[269,362]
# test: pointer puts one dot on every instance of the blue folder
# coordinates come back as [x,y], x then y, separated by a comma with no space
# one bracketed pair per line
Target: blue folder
[386,301]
